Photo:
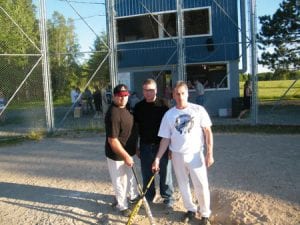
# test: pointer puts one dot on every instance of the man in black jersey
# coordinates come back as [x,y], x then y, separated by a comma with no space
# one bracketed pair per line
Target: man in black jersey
[148,114]
[120,147]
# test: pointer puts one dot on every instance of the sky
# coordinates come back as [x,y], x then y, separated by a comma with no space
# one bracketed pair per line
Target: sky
[94,14]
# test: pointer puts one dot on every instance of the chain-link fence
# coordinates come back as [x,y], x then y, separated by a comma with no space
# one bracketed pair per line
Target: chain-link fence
[78,56]
[78,63]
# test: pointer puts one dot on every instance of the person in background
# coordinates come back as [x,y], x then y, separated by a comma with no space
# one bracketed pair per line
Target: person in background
[186,130]
[89,100]
[97,101]
[120,147]
[73,95]
[2,106]
[133,100]
[246,99]
[200,92]
[77,97]
[148,114]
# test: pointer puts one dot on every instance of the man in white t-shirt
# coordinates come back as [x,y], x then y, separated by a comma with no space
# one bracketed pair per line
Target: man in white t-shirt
[186,130]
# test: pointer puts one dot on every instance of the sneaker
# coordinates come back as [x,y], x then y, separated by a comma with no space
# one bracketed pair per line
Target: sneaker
[133,201]
[204,221]
[126,212]
[114,203]
[188,216]
[168,203]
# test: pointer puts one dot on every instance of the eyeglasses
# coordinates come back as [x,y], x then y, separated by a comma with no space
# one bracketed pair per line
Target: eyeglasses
[149,90]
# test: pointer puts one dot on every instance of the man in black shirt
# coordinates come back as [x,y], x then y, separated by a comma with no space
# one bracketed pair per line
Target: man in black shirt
[148,114]
[120,147]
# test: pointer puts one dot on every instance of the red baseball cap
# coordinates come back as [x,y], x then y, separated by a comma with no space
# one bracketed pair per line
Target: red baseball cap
[121,90]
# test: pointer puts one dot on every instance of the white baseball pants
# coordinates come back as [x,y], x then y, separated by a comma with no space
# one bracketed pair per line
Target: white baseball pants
[123,182]
[192,165]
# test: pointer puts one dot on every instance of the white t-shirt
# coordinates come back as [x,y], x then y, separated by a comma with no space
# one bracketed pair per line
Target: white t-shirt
[74,96]
[184,128]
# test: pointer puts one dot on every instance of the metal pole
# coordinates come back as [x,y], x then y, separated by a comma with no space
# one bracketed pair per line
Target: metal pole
[180,44]
[112,40]
[254,105]
[46,69]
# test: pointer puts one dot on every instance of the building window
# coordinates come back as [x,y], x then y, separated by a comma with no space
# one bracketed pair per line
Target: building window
[212,76]
[163,25]
[197,22]
[169,23]
[137,28]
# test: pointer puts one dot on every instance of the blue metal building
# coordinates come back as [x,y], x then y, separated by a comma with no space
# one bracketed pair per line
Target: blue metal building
[179,39]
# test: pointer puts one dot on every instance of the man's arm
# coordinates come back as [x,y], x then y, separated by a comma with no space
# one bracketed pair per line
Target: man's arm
[163,146]
[209,142]
[117,147]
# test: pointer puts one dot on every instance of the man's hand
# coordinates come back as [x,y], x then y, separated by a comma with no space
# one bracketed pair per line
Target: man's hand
[209,160]
[129,161]
[155,165]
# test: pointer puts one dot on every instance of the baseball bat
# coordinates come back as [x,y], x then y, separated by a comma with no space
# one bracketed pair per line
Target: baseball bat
[145,202]
[140,202]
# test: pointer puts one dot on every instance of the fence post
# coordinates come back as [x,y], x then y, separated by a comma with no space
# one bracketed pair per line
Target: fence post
[46,69]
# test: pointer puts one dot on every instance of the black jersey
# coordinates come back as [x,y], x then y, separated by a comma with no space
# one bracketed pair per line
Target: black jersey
[119,123]
[148,116]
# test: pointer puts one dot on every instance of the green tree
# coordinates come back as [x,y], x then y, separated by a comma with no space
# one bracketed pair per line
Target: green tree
[19,35]
[64,54]
[279,37]
[99,52]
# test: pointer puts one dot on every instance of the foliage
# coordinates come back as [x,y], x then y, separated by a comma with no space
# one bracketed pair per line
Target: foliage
[64,54]
[279,74]
[271,90]
[279,38]
[100,51]
[22,38]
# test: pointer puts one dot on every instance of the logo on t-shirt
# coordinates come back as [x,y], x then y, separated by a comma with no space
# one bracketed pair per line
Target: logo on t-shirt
[184,123]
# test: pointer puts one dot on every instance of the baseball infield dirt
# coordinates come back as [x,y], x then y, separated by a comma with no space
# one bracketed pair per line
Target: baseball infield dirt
[64,180]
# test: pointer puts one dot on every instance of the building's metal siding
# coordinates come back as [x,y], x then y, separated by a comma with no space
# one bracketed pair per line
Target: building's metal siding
[136,7]
[153,53]
[140,58]
[147,54]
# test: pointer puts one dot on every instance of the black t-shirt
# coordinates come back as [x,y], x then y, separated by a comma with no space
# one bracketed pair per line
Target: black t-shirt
[148,116]
[119,124]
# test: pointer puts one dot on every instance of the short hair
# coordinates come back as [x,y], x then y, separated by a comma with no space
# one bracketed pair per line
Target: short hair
[181,83]
[150,81]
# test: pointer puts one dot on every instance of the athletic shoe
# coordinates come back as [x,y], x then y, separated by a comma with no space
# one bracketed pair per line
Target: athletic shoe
[133,201]
[188,216]
[168,204]
[126,212]
[114,203]
[204,221]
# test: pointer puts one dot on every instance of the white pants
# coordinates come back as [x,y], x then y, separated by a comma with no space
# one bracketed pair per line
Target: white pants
[193,165]
[123,182]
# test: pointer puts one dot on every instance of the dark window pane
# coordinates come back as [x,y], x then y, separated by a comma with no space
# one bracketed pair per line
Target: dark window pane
[196,22]
[169,21]
[137,28]
[211,75]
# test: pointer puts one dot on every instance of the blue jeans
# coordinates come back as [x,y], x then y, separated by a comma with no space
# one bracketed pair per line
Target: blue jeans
[147,154]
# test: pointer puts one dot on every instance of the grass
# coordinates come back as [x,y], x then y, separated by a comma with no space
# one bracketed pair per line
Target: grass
[274,90]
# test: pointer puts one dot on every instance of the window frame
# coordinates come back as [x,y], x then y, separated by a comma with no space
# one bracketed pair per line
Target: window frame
[210,33]
[211,63]
[160,31]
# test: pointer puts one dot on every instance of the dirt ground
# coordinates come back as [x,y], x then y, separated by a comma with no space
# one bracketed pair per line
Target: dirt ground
[64,180]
